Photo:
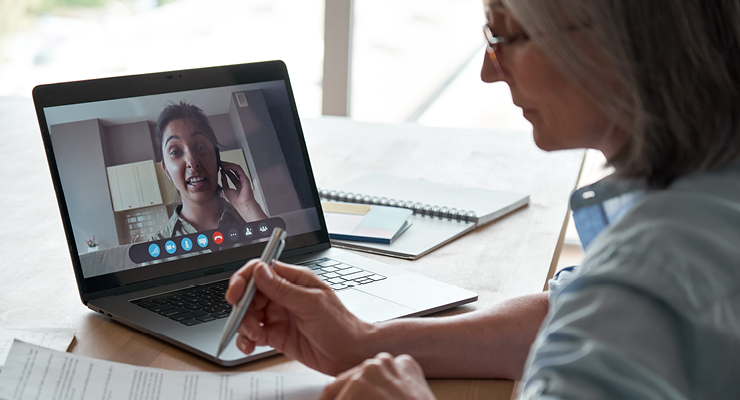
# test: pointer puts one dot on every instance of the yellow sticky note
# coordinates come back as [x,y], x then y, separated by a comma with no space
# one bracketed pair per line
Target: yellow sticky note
[345,208]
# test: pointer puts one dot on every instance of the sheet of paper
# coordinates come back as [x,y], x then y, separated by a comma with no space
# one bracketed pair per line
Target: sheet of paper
[33,372]
[53,338]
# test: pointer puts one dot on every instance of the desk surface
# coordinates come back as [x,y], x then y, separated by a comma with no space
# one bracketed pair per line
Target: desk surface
[508,258]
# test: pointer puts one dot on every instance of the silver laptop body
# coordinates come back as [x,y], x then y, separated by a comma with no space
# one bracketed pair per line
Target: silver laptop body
[97,136]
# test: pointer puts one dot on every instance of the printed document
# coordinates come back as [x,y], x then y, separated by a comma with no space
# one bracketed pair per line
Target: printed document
[33,372]
[53,338]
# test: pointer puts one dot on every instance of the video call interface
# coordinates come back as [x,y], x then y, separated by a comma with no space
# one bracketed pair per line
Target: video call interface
[159,178]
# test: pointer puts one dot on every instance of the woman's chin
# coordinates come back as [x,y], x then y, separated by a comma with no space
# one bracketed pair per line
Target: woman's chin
[544,142]
[541,141]
[199,192]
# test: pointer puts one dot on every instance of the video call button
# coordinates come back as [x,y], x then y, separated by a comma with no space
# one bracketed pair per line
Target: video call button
[202,240]
[264,229]
[153,250]
[218,237]
[170,247]
[207,241]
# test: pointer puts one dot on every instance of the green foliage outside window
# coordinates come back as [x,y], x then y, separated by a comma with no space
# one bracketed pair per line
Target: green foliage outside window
[47,5]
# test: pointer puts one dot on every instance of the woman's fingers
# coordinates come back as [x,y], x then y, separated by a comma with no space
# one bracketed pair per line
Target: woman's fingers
[227,176]
[224,181]
[381,377]
[294,288]
[251,326]
[238,281]
[236,170]
[237,175]
[245,345]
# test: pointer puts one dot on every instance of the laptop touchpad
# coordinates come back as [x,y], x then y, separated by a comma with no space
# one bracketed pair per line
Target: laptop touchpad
[371,308]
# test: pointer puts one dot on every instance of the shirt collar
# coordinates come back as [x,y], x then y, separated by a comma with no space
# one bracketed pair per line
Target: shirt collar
[229,217]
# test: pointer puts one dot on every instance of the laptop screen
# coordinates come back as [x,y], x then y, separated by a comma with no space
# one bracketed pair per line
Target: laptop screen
[158,184]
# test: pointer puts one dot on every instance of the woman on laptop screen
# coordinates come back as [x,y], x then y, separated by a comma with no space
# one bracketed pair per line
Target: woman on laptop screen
[653,311]
[190,158]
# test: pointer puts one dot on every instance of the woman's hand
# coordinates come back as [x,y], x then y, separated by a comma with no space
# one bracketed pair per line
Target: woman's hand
[300,316]
[242,198]
[381,377]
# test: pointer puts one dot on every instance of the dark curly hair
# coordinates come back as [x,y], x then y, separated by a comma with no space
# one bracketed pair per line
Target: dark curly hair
[183,110]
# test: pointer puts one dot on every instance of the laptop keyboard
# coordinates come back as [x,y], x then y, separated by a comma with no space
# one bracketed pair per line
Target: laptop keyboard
[339,275]
[191,306]
[205,303]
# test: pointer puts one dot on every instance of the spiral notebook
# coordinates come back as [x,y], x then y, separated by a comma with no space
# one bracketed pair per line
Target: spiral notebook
[441,212]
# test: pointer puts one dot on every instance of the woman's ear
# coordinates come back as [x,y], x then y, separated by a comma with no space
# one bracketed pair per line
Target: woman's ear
[164,168]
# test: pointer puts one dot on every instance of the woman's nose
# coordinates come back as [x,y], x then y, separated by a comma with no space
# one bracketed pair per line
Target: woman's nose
[191,160]
[489,73]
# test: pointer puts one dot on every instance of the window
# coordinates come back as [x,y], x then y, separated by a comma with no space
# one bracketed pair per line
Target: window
[412,59]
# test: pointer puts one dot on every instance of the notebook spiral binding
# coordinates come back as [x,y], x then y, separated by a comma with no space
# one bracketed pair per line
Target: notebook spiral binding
[452,214]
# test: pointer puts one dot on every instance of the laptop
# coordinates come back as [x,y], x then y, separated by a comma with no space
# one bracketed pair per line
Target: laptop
[168,182]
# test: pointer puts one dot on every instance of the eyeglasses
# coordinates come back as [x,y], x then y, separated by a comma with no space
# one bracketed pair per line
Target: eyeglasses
[495,43]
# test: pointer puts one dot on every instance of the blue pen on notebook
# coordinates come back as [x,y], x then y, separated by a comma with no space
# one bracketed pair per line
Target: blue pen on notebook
[272,251]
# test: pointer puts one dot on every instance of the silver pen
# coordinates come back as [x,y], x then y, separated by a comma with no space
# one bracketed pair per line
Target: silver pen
[272,251]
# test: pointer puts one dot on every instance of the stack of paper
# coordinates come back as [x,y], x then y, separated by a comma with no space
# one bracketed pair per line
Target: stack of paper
[33,372]
[53,338]
[365,223]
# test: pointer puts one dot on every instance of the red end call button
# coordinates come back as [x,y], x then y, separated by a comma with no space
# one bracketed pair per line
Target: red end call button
[218,238]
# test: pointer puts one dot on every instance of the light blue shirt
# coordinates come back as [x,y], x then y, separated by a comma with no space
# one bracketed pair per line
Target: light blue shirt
[653,312]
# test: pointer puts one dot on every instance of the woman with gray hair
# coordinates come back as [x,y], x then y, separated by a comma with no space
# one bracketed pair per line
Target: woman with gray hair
[654,309]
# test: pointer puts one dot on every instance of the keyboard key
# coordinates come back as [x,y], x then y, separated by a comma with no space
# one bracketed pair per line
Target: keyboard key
[350,270]
[343,266]
[330,275]
[205,318]
[162,307]
[335,280]
[174,311]
[193,306]
[330,269]
[377,277]
[191,322]
[328,263]
[225,306]
[145,303]
[188,315]
[357,275]
[220,315]
[338,286]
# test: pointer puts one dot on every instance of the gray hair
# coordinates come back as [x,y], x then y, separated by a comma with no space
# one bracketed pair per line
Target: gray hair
[672,84]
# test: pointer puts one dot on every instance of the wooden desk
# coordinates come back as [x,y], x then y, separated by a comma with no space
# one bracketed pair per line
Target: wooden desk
[505,259]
